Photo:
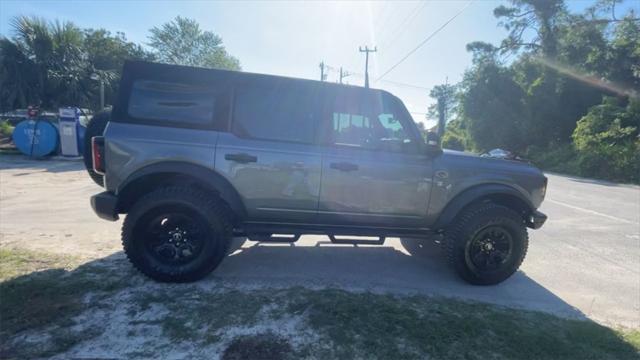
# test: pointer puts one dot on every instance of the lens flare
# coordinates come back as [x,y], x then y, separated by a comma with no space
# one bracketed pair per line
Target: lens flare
[589,79]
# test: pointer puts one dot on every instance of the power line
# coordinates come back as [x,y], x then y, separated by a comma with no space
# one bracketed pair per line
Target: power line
[394,82]
[404,24]
[407,85]
[343,74]
[425,40]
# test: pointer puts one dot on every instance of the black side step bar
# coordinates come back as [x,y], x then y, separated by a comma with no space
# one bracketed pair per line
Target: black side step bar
[274,238]
[291,238]
[354,241]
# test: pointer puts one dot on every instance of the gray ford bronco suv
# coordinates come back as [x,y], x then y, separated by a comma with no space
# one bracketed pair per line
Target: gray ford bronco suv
[197,156]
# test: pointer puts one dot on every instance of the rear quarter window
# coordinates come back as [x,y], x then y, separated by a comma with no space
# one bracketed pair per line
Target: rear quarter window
[172,102]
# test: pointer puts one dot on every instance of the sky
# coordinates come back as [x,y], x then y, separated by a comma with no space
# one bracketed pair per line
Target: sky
[292,38]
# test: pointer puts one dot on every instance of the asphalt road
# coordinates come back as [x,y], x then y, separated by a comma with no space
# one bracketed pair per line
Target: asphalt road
[585,262]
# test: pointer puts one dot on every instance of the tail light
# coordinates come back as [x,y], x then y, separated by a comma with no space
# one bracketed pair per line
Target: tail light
[97,151]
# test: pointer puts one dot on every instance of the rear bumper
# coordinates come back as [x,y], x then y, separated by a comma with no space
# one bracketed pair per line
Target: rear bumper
[104,205]
[536,220]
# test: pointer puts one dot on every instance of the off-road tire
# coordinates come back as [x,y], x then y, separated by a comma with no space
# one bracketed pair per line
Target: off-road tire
[215,221]
[95,127]
[469,224]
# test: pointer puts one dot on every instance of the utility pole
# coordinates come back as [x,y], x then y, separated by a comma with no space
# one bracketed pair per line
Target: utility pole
[343,74]
[441,116]
[323,76]
[366,63]
[101,95]
[443,100]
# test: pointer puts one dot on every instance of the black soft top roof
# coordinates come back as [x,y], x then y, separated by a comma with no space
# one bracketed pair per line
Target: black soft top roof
[157,71]
[222,80]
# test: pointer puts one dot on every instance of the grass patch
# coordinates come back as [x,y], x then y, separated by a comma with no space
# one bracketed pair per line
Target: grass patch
[39,291]
[14,262]
[260,346]
[365,325]
[42,294]
[370,325]
[205,311]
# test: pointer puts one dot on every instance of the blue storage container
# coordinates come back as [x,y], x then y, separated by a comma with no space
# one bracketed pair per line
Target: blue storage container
[35,138]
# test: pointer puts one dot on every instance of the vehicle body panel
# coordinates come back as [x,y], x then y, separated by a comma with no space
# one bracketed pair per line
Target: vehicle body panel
[456,172]
[281,185]
[386,189]
[131,147]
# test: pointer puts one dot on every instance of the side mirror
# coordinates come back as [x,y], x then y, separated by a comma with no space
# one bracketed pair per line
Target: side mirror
[433,144]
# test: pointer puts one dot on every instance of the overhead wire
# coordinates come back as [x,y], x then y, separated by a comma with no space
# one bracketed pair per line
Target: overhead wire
[404,24]
[425,41]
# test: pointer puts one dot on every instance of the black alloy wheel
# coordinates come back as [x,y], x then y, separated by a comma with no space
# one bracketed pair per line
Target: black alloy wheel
[490,250]
[172,235]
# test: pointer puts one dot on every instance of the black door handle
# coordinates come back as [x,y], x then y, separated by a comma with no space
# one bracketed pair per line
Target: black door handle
[344,166]
[241,158]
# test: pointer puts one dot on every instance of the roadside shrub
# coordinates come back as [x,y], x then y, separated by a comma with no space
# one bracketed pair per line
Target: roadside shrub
[455,136]
[452,142]
[559,158]
[607,141]
[5,129]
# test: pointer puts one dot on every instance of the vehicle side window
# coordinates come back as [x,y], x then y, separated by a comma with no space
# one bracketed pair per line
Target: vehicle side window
[370,122]
[276,111]
[172,102]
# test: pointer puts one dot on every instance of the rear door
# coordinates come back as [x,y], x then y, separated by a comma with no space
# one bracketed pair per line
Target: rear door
[374,172]
[270,155]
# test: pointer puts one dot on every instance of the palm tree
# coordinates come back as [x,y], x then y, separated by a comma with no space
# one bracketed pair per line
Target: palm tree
[18,80]
[44,64]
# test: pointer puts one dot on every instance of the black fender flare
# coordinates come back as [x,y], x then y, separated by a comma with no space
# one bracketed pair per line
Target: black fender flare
[211,180]
[475,193]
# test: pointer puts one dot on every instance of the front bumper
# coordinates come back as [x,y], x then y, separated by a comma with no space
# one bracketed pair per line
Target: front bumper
[104,205]
[536,220]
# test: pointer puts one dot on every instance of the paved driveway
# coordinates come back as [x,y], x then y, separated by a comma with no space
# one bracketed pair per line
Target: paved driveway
[585,262]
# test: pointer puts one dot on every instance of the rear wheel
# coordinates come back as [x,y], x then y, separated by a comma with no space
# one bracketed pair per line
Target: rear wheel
[176,234]
[487,243]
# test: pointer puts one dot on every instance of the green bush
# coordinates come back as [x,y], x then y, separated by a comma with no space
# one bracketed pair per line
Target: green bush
[455,136]
[607,141]
[559,158]
[5,129]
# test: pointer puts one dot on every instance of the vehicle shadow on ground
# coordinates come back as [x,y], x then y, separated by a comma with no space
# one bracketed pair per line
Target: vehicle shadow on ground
[421,268]
[33,165]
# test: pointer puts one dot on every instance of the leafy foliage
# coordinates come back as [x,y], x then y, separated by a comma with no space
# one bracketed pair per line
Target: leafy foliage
[492,107]
[449,95]
[607,140]
[539,16]
[553,101]
[182,42]
[455,138]
[54,64]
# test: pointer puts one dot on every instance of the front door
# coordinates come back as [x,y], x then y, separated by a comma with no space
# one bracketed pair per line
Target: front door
[373,170]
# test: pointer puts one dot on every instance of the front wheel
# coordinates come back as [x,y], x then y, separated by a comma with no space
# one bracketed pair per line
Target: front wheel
[487,243]
[176,234]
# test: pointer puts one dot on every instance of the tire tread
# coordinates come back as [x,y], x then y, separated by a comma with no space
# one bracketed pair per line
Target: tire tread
[210,204]
[456,233]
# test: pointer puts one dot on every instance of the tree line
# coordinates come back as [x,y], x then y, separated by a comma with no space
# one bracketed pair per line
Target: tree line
[52,64]
[562,89]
